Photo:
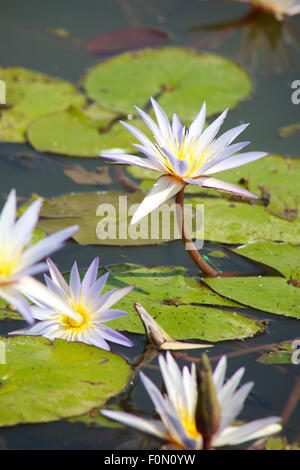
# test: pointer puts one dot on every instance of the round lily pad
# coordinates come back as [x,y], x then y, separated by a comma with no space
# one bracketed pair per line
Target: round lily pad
[81,133]
[43,381]
[172,298]
[29,95]
[182,78]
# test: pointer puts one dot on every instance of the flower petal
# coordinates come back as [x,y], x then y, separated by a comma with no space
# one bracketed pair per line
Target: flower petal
[130,160]
[235,161]
[162,119]
[110,298]
[90,276]
[31,287]
[165,187]
[114,336]
[152,427]
[56,275]
[180,167]
[197,125]
[220,185]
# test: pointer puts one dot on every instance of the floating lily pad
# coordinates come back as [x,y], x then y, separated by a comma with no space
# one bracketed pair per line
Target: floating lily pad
[95,419]
[30,95]
[183,78]
[43,381]
[281,355]
[170,295]
[270,294]
[238,222]
[80,133]
[280,443]
[281,256]
[101,220]
[8,314]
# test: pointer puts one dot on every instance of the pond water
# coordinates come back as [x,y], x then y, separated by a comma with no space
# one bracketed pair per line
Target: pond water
[26,41]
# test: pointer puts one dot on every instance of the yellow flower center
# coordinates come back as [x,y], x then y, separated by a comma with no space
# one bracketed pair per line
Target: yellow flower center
[188,151]
[9,262]
[74,326]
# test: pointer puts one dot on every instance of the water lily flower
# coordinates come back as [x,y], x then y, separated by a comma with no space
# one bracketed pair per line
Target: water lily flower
[18,262]
[84,298]
[185,156]
[279,8]
[177,408]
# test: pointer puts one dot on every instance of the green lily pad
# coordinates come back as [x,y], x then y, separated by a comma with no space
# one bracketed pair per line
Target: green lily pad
[98,213]
[281,256]
[270,294]
[280,443]
[8,314]
[183,78]
[281,355]
[30,95]
[95,419]
[239,222]
[170,296]
[43,381]
[81,133]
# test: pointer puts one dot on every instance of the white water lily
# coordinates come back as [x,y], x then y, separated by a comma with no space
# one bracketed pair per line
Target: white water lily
[177,408]
[18,262]
[279,8]
[84,299]
[185,156]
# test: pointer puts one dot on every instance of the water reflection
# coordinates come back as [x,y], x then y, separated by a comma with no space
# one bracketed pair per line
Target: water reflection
[266,41]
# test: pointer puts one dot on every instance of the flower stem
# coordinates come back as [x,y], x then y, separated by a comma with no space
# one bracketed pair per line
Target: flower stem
[193,252]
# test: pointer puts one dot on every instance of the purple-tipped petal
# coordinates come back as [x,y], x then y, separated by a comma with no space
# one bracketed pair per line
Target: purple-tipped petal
[131,160]
[56,275]
[180,167]
[164,188]
[90,276]
[111,314]
[162,119]
[114,336]
[220,185]
[75,284]
[197,125]
[235,161]
[23,228]
[177,128]
[110,298]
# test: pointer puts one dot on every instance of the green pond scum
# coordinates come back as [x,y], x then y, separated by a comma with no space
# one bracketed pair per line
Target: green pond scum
[150,227]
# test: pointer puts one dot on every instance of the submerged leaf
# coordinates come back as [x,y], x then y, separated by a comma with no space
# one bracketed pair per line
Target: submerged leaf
[127,39]
[99,176]
[43,381]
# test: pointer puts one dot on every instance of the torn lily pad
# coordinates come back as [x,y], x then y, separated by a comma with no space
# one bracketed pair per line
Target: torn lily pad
[183,78]
[43,381]
[80,133]
[31,95]
[172,298]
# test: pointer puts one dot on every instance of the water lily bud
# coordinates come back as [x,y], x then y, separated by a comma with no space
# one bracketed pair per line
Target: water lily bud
[208,410]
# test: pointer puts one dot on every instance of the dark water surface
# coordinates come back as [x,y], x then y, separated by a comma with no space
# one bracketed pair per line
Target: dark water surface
[26,41]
